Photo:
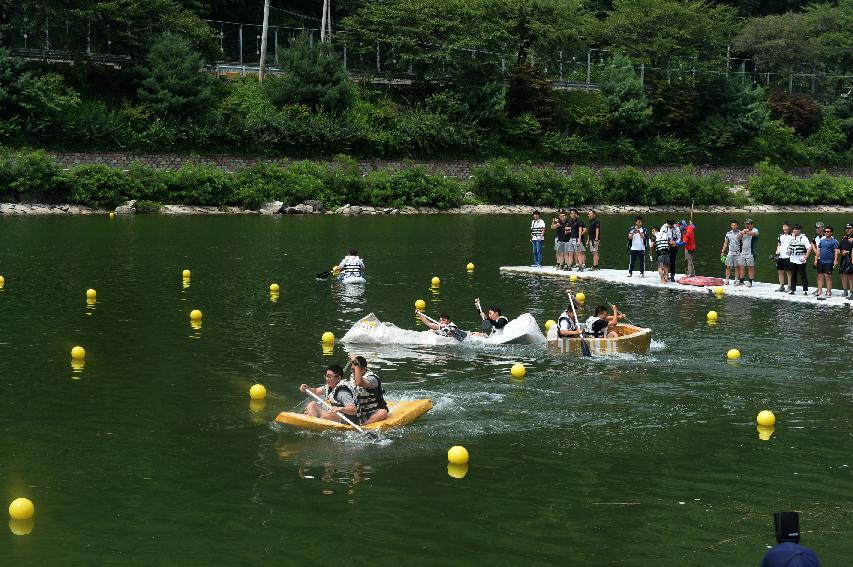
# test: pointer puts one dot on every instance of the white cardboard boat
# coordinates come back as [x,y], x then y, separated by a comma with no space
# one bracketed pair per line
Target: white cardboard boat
[370,330]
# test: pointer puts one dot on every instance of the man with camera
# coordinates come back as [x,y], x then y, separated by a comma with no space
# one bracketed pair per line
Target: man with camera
[789,552]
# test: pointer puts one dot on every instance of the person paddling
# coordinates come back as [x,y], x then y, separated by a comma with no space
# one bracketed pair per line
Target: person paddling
[598,325]
[567,323]
[351,266]
[338,393]
[444,326]
[369,395]
[493,322]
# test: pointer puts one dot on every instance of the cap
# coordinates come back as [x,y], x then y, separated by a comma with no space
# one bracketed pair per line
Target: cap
[747,221]
[818,224]
[790,554]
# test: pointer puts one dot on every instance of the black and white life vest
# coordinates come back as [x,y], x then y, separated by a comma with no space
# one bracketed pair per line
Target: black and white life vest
[369,400]
[351,267]
[499,330]
[331,397]
[564,316]
[448,330]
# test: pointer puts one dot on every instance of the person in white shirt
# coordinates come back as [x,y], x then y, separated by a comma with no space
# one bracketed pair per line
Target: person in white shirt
[783,241]
[637,242]
[537,238]
[799,249]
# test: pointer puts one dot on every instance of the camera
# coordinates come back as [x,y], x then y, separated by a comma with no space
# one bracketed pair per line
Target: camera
[787,526]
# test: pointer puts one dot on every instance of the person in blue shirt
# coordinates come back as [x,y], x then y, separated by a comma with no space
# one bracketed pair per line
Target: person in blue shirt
[828,252]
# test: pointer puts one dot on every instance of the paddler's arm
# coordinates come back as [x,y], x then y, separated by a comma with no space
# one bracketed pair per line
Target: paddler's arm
[348,409]
[614,319]
[306,388]
[426,321]
[479,308]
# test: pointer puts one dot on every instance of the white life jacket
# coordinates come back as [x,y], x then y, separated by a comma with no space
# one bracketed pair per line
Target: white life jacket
[352,267]
[567,317]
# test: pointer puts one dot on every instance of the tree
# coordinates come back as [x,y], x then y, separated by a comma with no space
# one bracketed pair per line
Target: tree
[173,80]
[528,92]
[12,79]
[314,76]
[777,43]
[800,112]
[629,111]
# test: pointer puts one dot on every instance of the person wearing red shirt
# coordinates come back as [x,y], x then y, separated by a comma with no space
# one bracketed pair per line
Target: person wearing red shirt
[688,236]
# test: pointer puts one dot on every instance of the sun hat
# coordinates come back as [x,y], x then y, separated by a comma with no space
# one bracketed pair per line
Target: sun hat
[790,554]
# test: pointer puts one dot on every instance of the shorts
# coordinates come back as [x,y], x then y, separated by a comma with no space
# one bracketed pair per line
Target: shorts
[731,260]
[563,247]
[593,245]
[663,261]
[825,268]
[846,267]
[746,260]
[782,264]
[575,246]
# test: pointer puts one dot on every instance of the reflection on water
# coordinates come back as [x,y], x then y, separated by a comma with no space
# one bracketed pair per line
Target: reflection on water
[91,302]
[765,432]
[77,366]
[196,326]
[21,527]
[457,470]
[274,296]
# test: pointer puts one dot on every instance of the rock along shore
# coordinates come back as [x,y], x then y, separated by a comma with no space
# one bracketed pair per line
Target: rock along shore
[314,207]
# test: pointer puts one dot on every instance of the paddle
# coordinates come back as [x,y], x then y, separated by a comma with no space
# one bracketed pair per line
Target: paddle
[457,334]
[324,275]
[370,434]
[584,347]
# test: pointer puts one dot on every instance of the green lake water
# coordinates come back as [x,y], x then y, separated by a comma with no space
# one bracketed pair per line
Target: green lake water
[153,455]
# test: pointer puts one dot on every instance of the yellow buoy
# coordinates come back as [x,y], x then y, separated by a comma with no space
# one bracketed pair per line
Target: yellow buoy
[195,315]
[186,273]
[712,315]
[274,287]
[765,417]
[436,280]
[458,455]
[733,354]
[580,296]
[78,352]
[765,431]
[420,304]
[457,471]
[91,293]
[328,337]
[21,527]
[112,215]
[548,324]
[22,509]
[257,392]
[573,278]
[2,280]
[719,291]
[470,266]
[518,370]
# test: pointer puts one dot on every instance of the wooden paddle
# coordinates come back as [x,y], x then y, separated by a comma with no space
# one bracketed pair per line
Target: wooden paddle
[457,334]
[370,434]
[584,347]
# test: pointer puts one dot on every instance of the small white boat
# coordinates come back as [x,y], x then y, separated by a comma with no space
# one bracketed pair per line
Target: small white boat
[370,330]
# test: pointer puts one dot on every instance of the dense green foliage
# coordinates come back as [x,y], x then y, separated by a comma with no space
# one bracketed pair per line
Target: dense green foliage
[35,175]
[681,81]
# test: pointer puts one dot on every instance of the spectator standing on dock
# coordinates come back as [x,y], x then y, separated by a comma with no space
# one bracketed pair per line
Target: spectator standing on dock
[730,252]
[672,234]
[846,269]
[637,243]
[748,241]
[578,229]
[798,254]
[783,242]
[660,242]
[827,260]
[537,238]
[593,236]
[688,236]
[818,229]
[561,243]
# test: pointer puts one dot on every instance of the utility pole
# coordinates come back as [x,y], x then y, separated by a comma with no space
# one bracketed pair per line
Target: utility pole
[264,31]
[323,21]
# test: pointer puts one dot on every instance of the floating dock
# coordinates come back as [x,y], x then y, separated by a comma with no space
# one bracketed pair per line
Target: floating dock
[758,290]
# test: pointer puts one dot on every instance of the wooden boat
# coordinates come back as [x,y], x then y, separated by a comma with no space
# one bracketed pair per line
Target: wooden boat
[401,413]
[631,339]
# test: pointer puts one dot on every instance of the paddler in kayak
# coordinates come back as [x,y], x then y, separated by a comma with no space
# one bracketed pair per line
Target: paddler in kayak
[351,266]
[567,323]
[369,398]
[339,394]
[493,322]
[597,326]
[444,326]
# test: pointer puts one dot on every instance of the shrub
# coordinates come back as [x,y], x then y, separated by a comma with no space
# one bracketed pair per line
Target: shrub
[412,186]
[144,206]
[35,174]
[774,186]
[626,186]
[101,186]
[495,181]
[202,185]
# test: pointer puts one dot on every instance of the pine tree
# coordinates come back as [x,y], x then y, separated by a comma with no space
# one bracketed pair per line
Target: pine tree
[630,112]
[173,78]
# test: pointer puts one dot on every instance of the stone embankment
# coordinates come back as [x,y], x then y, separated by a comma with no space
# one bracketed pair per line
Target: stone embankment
[315,207]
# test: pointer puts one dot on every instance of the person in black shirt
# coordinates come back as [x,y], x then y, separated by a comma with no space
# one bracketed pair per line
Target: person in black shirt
[576,248]
[494,322]
[593,236]
[562,244]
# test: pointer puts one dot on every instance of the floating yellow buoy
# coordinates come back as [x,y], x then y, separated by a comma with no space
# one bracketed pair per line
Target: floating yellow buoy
[470,266]
[458,455]
[518,370]
[436,280]
[548,324]
[733,354]
[91,293]
[573,278]
[457,471]
[22,508]
[420,304]
[186,273]
[21,527]
[719,291]
[112,215]
[275,287]
[195,315]
[765,431]
[328,337]
[766,417]
[78,352]
[580,296]
[257,392]
[712,315]
[2,280]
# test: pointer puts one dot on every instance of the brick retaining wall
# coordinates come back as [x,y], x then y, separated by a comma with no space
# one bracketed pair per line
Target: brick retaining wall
[461,169]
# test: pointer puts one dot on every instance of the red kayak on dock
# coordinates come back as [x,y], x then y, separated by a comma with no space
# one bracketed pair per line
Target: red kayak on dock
[700,281]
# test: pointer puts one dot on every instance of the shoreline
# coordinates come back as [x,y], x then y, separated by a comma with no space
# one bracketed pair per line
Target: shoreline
[278,208]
